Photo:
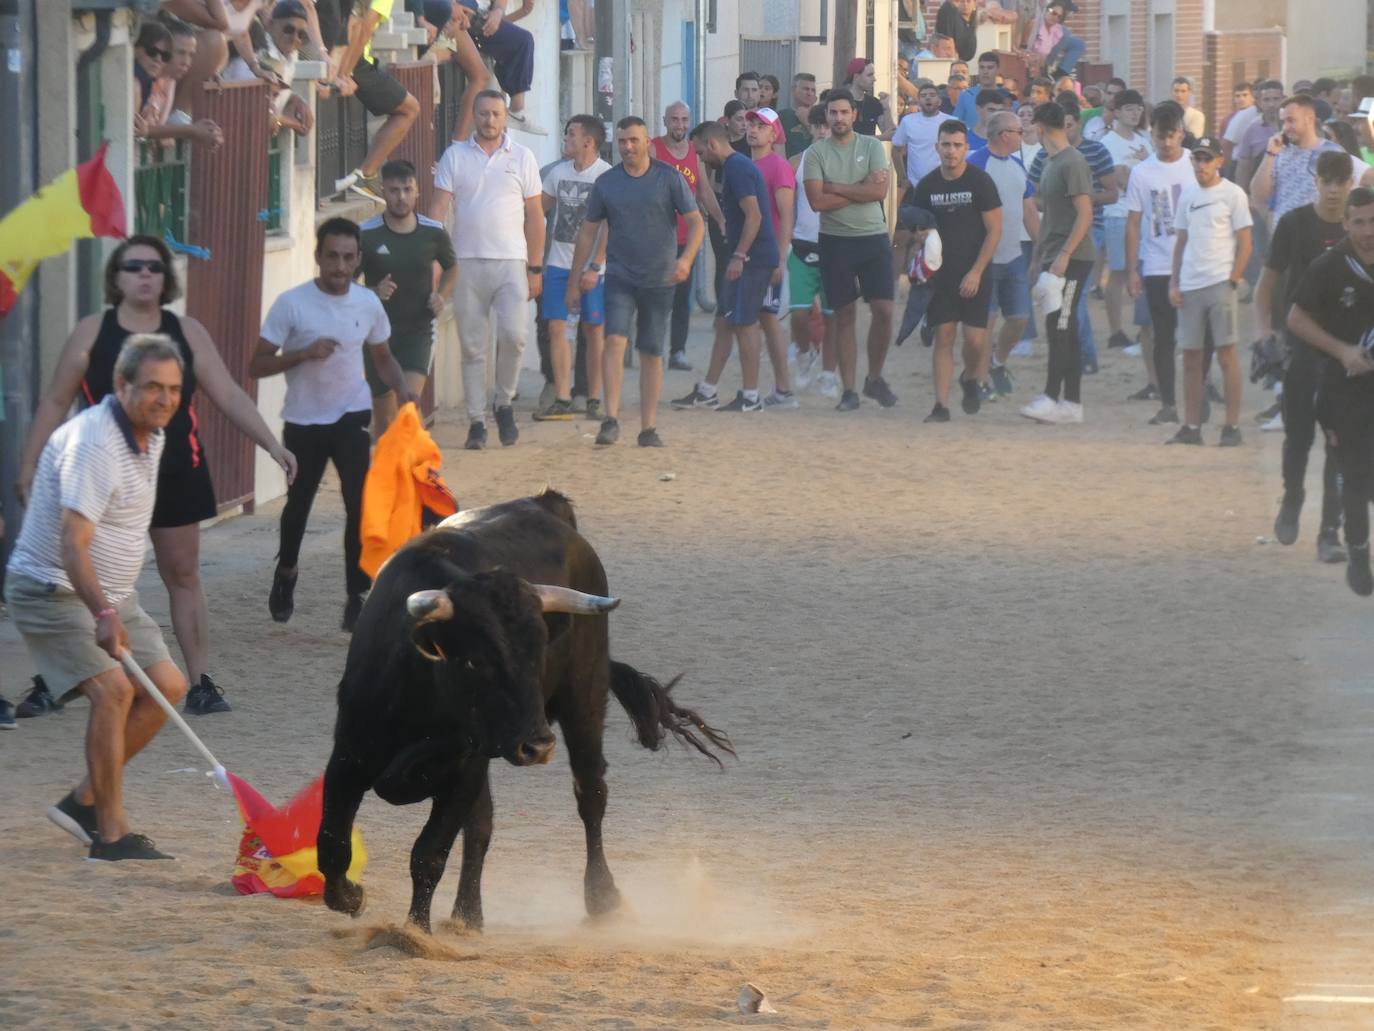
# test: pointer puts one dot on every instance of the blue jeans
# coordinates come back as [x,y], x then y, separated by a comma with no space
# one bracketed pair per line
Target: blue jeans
[1066,53]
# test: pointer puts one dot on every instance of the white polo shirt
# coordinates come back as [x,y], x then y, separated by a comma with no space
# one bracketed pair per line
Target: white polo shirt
[489,195]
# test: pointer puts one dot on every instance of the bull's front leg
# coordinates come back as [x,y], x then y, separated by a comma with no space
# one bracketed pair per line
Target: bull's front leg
[429,855]
[345,783]
[467,907]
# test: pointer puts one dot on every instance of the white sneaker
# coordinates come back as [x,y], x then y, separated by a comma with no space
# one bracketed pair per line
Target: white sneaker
[1042,409]
[522,121]
[1070,413]
[1274,425]
[347,182]
[1133,350]
[805,369]
[1022,349]
[828,384]
[777,399]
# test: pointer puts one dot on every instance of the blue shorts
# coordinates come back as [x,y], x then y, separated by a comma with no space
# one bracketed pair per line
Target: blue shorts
[1011,288]
[553,301]
[649,307]
[1114,229]
[741,299]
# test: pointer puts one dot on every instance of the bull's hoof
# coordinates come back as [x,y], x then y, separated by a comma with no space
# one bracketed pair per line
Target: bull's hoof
[343,896]
[603,902]
[418,923]
[470,916]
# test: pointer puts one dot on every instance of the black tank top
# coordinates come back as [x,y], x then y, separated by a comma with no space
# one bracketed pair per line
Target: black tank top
[182,451]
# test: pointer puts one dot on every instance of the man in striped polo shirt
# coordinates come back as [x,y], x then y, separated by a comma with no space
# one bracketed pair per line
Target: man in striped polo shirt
[70,584]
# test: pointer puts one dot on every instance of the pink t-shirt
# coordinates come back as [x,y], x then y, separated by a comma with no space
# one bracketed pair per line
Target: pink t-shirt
[777,175]
[1046,38]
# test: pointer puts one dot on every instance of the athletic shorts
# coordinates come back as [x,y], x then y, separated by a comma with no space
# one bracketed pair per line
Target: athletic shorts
[553,301]
[649,307]
[1214,307]
[412,352]
[59,633]
[1011,288]
[379,92]
[1114,231]
[804,281]
[856,266]
[949,306]
[184,496]
[740,300]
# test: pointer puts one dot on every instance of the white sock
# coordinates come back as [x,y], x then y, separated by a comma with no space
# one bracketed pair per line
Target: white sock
[751,396]
[706,390]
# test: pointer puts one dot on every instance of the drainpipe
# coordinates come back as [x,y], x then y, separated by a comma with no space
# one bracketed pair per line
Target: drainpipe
[704,294]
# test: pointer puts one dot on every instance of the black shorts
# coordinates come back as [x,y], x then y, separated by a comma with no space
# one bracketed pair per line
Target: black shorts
[379,92]
[947,305]
[856,266]
[184,496]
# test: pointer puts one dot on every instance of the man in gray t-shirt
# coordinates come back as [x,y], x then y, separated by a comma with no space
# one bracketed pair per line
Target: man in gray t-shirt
[640,201]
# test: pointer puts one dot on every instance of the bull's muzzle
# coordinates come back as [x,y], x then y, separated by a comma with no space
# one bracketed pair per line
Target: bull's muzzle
[535,751]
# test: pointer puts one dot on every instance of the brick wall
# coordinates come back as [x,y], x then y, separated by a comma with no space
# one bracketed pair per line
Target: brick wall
[1188,48]
[1238,55]
[1139,73]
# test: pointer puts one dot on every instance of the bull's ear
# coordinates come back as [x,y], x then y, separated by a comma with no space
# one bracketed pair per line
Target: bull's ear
[429,606]
[565,599]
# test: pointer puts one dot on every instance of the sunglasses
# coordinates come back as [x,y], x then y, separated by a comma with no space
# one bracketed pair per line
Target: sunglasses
[159,53]
[292,32]
[153,265]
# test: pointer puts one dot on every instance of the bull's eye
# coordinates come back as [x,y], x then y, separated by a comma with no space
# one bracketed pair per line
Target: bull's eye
[468,664]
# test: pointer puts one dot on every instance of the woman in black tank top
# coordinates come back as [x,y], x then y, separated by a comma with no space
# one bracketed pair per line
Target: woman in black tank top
[139,280]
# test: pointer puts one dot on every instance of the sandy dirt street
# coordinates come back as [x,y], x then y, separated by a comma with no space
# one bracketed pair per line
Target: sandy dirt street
[1034,733]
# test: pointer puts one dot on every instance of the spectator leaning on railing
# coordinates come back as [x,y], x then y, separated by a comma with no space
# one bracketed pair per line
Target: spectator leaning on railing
[510,48]
[451,23]
[287,29]
[164,53]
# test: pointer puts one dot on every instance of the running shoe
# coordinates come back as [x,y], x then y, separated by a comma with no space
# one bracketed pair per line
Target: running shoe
[594,408]
[1186,435]
[206,698]
[558,411]
[1090,367]
[610,432]
[1230,437]
[506,430]
[1274,409]
[878,390]
[477,436]
[1023,349]
[1043,409]
[1286,523]
[131,846]
[678,360]
[1118,340]
[971,402]
[353,607]
[37,702]
[1002,380]
[849,401]
[1149,392]
[649,438]
[987,393]
[698,398]
[1329,547]
[781,399]
[76,819]
[806,369]
[281,600]
[828,384]
[937,414]
[1357,572]
[1165,415]
[742,404]
[7,714]
[1274,425]
[522,121]
[1133,351]
[1068,413]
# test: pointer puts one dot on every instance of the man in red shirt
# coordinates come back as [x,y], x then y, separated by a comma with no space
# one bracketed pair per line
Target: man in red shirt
[673,148]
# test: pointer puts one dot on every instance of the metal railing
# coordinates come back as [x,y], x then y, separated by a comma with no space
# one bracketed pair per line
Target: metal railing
[160,188]
[276,160]
[446,104]
[340,142]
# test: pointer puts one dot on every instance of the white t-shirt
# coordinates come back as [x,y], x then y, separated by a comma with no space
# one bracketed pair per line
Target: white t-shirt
[807,224]
[1154,190]
[917,133]
[322,392]
[1095,128]
[489,195]
[1194,120]
[271,58]
[1239,124]
[1211,218]
[1125,154]
[570,189]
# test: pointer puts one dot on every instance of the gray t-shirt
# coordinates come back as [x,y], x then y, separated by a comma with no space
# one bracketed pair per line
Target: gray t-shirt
[642,214]
[1065,177]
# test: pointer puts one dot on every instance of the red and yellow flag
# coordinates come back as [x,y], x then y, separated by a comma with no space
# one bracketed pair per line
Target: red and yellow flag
[80,203]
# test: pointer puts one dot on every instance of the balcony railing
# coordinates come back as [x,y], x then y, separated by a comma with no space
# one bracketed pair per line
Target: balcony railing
[340,141]
[160,188]
[275,165]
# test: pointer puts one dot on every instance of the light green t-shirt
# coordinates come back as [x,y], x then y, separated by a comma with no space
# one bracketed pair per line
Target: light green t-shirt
[847,165]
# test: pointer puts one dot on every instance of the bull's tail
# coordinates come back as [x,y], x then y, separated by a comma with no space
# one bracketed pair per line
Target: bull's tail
[655,714]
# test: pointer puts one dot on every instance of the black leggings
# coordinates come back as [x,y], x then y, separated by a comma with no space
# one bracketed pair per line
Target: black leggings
[1164,332]
[1061,328]
[348,444]
[1346,408]
[682,312]
[1299,429]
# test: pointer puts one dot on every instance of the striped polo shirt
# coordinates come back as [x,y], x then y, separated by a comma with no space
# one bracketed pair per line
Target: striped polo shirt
[93,466]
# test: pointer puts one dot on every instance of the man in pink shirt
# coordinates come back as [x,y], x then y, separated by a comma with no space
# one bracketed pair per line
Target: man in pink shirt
[764,132]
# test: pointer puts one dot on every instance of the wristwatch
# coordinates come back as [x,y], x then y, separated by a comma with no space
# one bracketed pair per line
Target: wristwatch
[593,267]
[535,270]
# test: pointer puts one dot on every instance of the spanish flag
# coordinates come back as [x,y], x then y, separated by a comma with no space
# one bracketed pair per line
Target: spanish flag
[277,850]
[80,203]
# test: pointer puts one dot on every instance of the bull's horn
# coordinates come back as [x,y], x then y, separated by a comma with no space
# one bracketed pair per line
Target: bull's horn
[565,599]
[429,606]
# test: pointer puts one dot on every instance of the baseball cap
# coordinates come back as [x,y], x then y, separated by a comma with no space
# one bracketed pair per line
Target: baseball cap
[766,115]
[1210,144]
[909,216]
[857,65]
[288,9]
[438,12]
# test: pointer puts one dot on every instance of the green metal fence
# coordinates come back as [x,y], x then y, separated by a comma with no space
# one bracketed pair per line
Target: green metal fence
[161,181]
[275,163]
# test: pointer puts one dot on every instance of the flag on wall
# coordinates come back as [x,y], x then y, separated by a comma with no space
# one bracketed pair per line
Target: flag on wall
[81,203]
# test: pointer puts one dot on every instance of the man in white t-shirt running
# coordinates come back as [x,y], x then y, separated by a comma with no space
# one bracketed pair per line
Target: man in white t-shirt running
[1210,251]
[315,334]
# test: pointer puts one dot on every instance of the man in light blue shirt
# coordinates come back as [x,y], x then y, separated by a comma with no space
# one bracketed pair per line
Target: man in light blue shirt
[967,108]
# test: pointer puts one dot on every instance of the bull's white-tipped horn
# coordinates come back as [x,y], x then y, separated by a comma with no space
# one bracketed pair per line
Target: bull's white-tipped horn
[565,599]
[428,606]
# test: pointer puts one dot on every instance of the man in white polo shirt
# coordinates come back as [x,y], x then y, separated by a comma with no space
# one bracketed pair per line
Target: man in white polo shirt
[70,584]
[491,186]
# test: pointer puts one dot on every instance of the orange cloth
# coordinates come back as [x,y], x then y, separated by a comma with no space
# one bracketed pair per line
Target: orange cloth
[403,479]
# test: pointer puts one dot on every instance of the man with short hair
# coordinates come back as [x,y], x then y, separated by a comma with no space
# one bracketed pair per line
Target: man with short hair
[1334,312]
[70,584]
[989,102]
[315,334]
[966,110]
[747,90]
[958,19]
[780,180]
[913,144]
[794,118]
[640,200]
[1286,177]
[804,287]
[1096,124]
[1066,253]
[968,215]
[1249,152]
[1243,115]
[1324,96]
[1127,146]
[872,117]
[567,188]
[846,181]
[1194,120]
[287,28]
[490,185]
[1211,248]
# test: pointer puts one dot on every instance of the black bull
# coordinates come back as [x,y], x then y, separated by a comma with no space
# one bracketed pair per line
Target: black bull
[476,636]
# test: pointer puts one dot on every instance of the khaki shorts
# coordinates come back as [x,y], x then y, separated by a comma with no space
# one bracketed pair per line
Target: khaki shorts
[1213,307]
[59,632]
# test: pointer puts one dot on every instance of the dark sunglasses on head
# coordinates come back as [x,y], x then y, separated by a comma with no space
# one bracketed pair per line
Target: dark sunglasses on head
[159,53]
[153,265]
[290,31]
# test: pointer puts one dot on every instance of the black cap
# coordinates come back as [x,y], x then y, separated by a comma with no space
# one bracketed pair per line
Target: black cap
[909,216]
[289,9]
[438,12]
[1210,144]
